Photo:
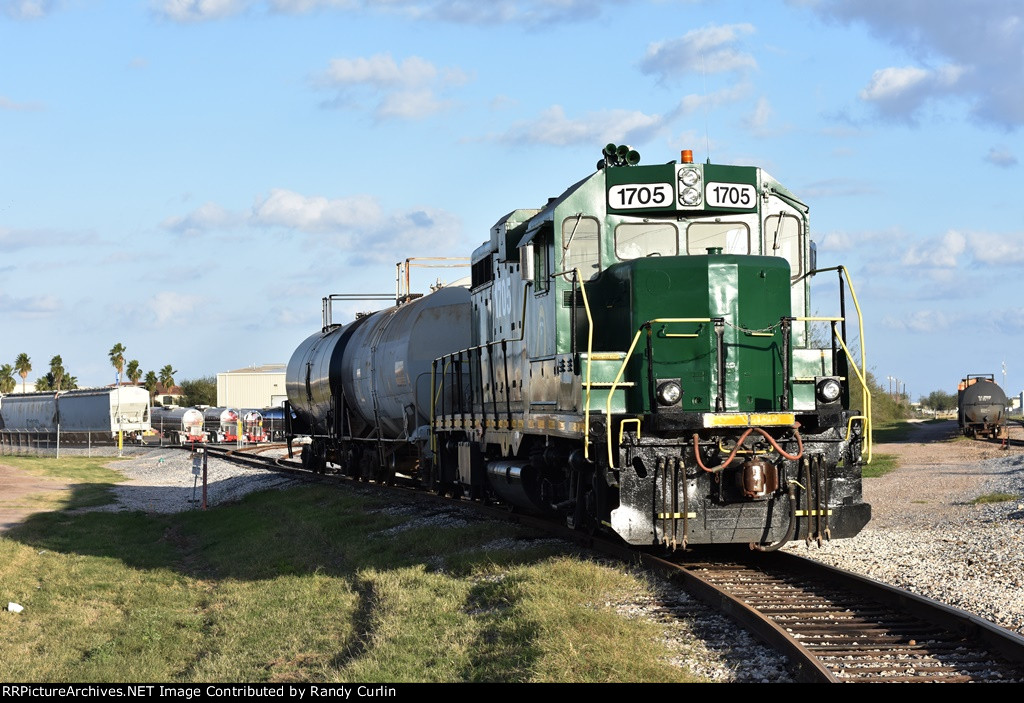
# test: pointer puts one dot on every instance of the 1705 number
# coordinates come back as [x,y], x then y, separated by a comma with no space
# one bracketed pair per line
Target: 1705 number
[639,195]
[730,195]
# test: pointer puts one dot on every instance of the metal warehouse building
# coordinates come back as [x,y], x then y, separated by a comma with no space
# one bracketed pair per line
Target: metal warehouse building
[252,387]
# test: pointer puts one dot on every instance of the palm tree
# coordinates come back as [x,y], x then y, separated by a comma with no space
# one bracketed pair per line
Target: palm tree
[133,371]
[45,383]
[117,359]
[57,370]
[167,377]
[23,364]
[7,382]
[151,384]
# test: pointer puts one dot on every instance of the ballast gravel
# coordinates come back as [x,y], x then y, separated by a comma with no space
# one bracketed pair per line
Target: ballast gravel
[927,535]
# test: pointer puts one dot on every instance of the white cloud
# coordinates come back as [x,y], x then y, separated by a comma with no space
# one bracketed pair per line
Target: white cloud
[7,104]
[996,249]
[171,307]
[406,89]
[945,253]
[303,6]
[708,50]
[900,92]
[695,103]
[554,128]
[200,10]
[356,226]
[971,51]
[890,83]
[26,9]
[923,321]
[532,13]
[380,70]
[961,250]
[15,239]
[32,307]
[411,105]
[1001,156]
[285,208]
[206,217]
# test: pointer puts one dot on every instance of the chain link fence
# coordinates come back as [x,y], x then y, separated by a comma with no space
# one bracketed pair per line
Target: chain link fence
[56,444]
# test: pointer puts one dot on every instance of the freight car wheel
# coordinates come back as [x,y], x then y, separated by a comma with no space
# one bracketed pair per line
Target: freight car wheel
[317,456]
[386,474]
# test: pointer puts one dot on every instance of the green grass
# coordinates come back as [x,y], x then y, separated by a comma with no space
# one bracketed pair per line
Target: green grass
[880,465]
[994,498]
[891,431]
[308,584]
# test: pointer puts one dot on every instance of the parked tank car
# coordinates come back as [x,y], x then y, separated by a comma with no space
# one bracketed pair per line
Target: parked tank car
[273,423]
[362,390]
[180,425]
[87,414]
[981,407]
[221,424]
[252,426]
[633,356]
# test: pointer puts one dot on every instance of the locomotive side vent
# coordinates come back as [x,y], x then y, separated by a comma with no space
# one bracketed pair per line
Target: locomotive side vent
[568,298]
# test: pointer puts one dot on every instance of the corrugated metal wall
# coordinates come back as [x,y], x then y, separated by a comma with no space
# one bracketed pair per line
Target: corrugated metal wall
[247,388]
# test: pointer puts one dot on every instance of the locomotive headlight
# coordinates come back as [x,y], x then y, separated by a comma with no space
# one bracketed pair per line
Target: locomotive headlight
[690,196]
[669,393]
[690,177]
[828,390]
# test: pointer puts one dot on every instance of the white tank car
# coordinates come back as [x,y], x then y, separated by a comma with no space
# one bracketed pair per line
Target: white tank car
[78,412]
[179,424]
[221,424]
[378,368]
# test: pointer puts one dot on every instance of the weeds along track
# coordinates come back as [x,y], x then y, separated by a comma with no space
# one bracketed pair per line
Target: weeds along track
[833,625]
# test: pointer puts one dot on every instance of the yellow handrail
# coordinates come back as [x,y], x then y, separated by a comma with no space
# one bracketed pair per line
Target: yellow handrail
[622,368]
[590,350]
[864,386]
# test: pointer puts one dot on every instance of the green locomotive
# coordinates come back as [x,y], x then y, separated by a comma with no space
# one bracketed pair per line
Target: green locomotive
[641,359]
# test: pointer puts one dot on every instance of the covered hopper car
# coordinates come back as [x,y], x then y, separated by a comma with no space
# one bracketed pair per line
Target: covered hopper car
[86,414]
[633,356]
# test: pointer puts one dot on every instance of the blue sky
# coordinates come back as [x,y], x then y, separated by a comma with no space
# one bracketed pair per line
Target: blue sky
[190,177]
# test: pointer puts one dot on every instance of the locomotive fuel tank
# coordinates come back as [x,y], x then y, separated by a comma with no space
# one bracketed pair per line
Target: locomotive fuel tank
[380,365]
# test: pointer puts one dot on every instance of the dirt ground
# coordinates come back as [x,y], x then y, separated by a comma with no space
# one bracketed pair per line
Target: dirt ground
[939,470]
[16,491]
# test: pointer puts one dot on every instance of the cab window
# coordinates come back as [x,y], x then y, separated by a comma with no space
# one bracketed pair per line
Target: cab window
[782,237]
[581,245]
[730,237]
[635,240]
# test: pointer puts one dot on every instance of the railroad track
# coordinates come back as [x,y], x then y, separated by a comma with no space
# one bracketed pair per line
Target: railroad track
[837,626]
[833,625]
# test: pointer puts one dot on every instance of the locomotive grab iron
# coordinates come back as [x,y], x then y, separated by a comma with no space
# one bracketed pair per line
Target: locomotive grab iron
[635,355]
